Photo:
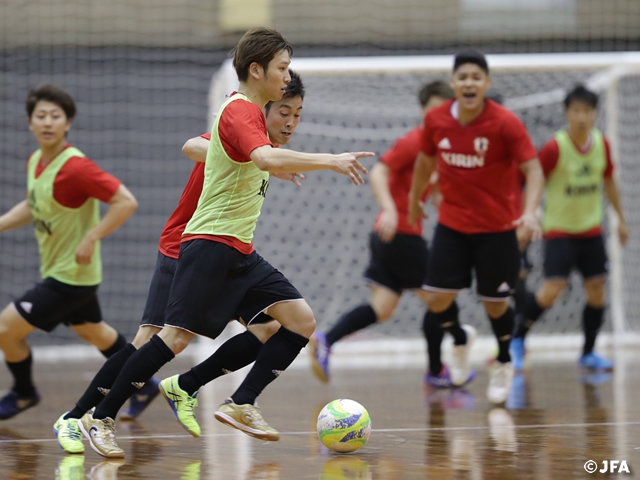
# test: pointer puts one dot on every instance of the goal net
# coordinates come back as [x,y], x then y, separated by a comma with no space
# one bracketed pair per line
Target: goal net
[318,235]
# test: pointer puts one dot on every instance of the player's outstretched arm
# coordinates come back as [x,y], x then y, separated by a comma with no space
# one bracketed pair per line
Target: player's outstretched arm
[534,184]
[422,171]
[18,216]
[121,207]
[613,196]
[278,160]
[387,224]
[196,149]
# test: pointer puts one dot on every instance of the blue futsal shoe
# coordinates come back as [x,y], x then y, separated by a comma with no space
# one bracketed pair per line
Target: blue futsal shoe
[12,404]
[592,361]
[442,380]
[141,399]
[319,350]
[518,352]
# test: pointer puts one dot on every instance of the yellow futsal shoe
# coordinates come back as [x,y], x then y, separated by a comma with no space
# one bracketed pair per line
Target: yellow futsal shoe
[68,434]
[246,418]
[181,403]
[101,435]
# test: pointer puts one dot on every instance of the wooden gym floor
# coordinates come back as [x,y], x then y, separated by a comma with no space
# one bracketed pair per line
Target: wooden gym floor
[555,420]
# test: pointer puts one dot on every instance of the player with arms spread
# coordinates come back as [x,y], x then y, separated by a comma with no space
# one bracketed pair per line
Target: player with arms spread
[219,273]
[578,167]
[282,118]
[398,251]
[477,146]
[64,191]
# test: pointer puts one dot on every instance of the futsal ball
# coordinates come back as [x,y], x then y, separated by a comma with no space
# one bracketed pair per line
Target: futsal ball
[344,426]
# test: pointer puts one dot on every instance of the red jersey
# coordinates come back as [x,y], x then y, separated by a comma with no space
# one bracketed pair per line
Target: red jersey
[549,155]
[477,164]
[80,179]
[400,159]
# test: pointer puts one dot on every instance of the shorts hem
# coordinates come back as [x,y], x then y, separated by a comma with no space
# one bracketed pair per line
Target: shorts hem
[182,328]
[269,306]
[369,282]
[429,288]
[493,299]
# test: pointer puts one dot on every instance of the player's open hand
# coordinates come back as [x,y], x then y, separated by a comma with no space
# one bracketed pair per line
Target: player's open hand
[416,213]
[291,177]
[348,164]
[623,233]
[387,225]
[529,226]
[85,250]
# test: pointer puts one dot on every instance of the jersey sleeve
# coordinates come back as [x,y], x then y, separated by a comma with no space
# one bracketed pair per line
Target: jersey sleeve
[427,145]
[608,170]
[206,136]
[80,179]
[519,143]
[548,156]
[242,129]
[401,155]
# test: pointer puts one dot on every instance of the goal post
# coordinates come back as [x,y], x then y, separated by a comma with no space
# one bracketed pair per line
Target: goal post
[365,103]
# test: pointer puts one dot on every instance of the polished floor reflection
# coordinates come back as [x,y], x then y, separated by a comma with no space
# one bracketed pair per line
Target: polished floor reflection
[556,419]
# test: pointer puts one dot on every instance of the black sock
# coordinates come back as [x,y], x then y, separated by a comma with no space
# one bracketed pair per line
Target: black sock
[531,312]
[434,334]
[357,319]
[449,322]
[591,322]
[102,382]
[116,347]
[520,296]
[237,352]
[22,380]
[503,329]
[140,366]
[274,357]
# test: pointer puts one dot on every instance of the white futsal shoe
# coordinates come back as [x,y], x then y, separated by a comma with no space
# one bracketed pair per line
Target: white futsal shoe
[500,381]
[459,367]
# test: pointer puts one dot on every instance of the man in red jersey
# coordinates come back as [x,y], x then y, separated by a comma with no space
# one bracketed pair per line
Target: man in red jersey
[398,252]
[578,169]
[478,147]
[282,118]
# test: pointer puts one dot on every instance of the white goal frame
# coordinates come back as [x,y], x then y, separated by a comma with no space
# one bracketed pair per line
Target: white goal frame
[611,67]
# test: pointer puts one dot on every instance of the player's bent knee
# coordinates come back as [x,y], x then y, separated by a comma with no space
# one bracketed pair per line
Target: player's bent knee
[144,334]
[495,309]
[594,290]
[176,339]
[265,331]
[550,292]
[439,301]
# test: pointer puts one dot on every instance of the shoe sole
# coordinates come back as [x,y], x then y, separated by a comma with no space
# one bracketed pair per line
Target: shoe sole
[94,448]
[317,369]
[175,412]
[55,432]
[227,420]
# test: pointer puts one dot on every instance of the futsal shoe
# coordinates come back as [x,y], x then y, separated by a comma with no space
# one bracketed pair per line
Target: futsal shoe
[518,352]
[460,369]
[500,381]
[181,403]
[517,399]
[12,404]
[246,418]
[593,361]
[101,435]
[320,350]
[141,399]
[71,467]
[68,434]
[442,380]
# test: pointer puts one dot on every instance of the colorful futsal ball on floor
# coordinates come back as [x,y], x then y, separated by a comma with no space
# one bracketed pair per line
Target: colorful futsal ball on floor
[344,426]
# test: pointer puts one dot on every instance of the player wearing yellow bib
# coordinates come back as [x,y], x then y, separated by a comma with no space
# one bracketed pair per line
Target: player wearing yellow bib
[64,189]
[578,168]
[218,272]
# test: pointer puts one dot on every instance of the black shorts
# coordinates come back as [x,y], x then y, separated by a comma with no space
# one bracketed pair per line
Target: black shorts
[398,265]
[50,303]
[494,257]
[160,289]
[587,255]
[214,283]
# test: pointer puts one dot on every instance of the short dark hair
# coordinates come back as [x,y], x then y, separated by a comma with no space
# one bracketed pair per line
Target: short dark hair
[434,89]
[295,88]
[580,93]
[471,56]
[260,45]
[53,94]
